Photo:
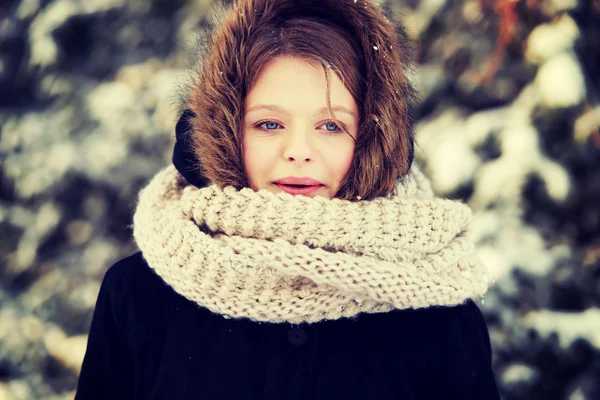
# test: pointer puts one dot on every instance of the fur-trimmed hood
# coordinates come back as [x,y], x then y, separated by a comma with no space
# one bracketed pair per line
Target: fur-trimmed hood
[208,140]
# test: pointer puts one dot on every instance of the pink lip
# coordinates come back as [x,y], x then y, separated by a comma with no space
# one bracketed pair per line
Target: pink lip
[306,190]
[309,185]
[292,180]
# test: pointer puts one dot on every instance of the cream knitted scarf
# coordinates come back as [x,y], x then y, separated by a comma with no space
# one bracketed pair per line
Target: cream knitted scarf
[283,258]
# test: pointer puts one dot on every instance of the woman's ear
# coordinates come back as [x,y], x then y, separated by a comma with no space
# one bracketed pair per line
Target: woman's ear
[184,158]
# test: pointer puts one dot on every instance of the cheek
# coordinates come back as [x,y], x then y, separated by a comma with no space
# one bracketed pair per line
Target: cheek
[341,159]
[248,161]
[254,163]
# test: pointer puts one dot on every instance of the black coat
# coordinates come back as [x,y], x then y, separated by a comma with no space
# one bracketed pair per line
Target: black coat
[148,342]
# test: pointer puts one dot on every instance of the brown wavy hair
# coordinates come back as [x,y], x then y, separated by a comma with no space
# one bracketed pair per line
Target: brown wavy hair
[356,41]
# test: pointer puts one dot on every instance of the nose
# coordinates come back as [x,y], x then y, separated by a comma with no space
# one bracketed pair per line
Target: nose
[297,147]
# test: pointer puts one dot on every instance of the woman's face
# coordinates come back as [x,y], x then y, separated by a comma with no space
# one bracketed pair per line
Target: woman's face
[290,142]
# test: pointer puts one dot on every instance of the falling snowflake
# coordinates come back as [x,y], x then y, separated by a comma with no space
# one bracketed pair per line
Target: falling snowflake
[375,47]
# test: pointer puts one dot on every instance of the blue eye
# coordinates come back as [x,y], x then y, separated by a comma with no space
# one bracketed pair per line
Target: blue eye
[335,127]
[266,125]
[273,125]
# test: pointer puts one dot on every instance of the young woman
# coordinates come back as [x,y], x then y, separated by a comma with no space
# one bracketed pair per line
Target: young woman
[293,251]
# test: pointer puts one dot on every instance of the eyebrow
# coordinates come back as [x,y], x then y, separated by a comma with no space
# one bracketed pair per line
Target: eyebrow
[272,107]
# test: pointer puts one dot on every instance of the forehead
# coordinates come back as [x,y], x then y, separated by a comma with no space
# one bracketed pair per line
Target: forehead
[295,82]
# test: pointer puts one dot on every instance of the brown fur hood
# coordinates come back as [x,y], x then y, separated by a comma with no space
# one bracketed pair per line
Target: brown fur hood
[209,145]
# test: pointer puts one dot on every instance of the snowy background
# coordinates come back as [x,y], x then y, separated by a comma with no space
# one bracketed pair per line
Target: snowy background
[508,122]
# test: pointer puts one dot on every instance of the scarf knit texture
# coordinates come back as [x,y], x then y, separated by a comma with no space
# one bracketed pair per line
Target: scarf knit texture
[275,257]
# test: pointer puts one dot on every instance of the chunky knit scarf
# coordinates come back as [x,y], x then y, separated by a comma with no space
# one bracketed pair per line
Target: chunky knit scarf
[283,258]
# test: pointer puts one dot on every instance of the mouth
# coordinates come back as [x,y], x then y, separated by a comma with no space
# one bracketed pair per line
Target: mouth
[298,188]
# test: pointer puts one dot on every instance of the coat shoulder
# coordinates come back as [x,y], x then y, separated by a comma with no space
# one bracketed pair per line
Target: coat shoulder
[461,327]
[463,355]
[441,320]
[139,296]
